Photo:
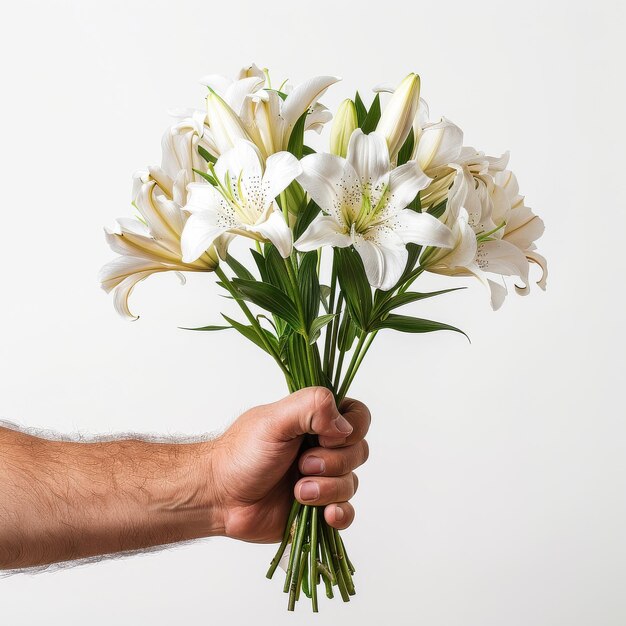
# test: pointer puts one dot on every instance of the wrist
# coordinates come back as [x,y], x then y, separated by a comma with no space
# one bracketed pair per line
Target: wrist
[197,499]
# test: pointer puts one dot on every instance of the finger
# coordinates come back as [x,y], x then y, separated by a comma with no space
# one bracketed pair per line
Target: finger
[325,490]
[333,462]
[339,515]
[358,416]
[312,410]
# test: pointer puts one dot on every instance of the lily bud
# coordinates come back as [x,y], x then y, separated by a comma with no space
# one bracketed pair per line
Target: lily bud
[225,125]
[397,119]
[344,124]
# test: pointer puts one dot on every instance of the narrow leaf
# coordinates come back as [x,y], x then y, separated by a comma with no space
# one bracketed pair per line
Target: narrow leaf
[406,324]
[407,149]
[406,298]
[361,111]
[207,328]
[373,116]
[296,139]
[206,155]
[251,334]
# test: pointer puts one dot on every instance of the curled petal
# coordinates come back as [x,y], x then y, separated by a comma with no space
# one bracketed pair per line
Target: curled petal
[534,257]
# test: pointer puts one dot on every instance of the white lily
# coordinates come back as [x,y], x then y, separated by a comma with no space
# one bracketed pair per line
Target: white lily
[152,244]
[241,203]
[364,204]
[397,118]
[246,109]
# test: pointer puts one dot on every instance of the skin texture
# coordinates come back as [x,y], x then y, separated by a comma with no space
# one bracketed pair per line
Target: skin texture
[63,500]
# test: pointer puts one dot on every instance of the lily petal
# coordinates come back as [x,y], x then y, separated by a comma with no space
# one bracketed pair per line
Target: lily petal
[439,144]
[280,170]
[201,230]
[384,261]
[423,229]
[368,155]
[322,178]
[242,158]
[276,230]
[303,96]
[404,184]
[324,230]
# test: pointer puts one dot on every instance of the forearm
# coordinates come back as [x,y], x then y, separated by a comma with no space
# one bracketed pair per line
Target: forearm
[64,500]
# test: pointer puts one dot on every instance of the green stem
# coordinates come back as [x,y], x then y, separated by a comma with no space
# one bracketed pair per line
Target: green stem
[341,394]
[355,369]
[295,509]
[313,563]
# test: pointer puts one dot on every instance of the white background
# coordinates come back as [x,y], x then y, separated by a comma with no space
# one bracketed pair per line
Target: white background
[495,493]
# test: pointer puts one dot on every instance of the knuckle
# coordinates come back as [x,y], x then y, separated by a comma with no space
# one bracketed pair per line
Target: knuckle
[355,482]
[322,399]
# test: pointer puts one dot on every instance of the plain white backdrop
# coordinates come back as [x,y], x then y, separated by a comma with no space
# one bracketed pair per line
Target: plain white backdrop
[496,489]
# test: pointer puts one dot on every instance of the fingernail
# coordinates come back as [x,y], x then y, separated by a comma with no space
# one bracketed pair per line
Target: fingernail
[309,491]
[343,425]
[339,513]
[313,465]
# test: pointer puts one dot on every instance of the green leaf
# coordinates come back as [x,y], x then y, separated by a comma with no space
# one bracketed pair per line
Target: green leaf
[206,155]
[361,111]
[407,324]
[271,299]
[406,298]
[317,325]
[309,286]
[407,149]
[276,271]
[306,150]
[250,333]
[295,197]
[259,259]
[296,139]
[325,296]
[355,286]
[347,333]
[206,177]
[304,219]
[241,271]
[207,328]
[373,116]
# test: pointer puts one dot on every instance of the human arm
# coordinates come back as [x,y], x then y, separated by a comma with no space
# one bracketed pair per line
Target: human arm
[62,500]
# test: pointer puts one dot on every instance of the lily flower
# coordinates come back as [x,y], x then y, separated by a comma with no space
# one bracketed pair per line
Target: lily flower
[247,109]
[152,243]
[240,202]
[364,202]
[397,118]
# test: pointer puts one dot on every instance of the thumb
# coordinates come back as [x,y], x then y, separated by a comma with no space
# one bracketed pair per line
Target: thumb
[311,410]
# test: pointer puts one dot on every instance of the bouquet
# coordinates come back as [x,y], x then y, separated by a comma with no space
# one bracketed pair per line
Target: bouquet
[337,239]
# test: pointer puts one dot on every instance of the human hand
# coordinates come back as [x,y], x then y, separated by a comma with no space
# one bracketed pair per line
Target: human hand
[255,464]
